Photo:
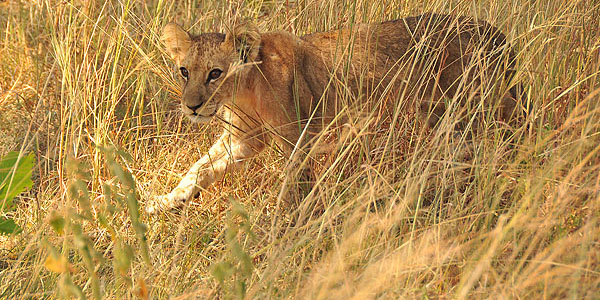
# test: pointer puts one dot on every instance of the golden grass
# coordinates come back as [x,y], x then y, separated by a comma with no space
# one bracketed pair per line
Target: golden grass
[511,214]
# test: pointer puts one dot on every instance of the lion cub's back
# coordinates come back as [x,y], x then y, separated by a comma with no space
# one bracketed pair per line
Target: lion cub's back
[395,38]
[430,45]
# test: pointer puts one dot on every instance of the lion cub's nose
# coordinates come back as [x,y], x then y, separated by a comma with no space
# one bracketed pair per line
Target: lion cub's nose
[193,108]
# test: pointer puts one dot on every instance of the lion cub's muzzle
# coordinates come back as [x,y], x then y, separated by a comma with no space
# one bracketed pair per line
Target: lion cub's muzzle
[201,113]
[194,108]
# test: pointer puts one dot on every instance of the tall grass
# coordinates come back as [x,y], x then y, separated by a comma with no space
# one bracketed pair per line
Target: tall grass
[403,212]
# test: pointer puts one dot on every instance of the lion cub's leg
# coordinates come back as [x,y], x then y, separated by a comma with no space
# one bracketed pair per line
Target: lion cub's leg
[227,154]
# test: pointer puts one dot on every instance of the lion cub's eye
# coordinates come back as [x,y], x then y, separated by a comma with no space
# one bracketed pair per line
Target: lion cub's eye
[184,72]
[214,74]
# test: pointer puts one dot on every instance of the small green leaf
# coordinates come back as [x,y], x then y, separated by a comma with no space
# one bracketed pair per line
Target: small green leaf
[246,265]
[8,226]
[124,155]
[124,255]
[58,223]
[15,177]
[239,288]
[238,209]
[221,271]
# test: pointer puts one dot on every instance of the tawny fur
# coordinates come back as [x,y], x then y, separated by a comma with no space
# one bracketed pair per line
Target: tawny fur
[279,87]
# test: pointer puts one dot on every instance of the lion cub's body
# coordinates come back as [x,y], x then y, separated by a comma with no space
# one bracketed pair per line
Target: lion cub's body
[288,88]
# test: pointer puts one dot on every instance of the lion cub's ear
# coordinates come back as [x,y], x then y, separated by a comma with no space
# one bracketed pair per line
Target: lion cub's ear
[177,41]
[244,39]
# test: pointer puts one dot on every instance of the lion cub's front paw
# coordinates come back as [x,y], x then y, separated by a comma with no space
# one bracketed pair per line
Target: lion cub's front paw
[173,200]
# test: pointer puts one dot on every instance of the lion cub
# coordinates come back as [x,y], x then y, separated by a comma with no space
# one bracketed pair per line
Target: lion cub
[275,86]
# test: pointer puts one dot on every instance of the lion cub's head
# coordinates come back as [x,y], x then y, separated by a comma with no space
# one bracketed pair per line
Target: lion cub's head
[211,65]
